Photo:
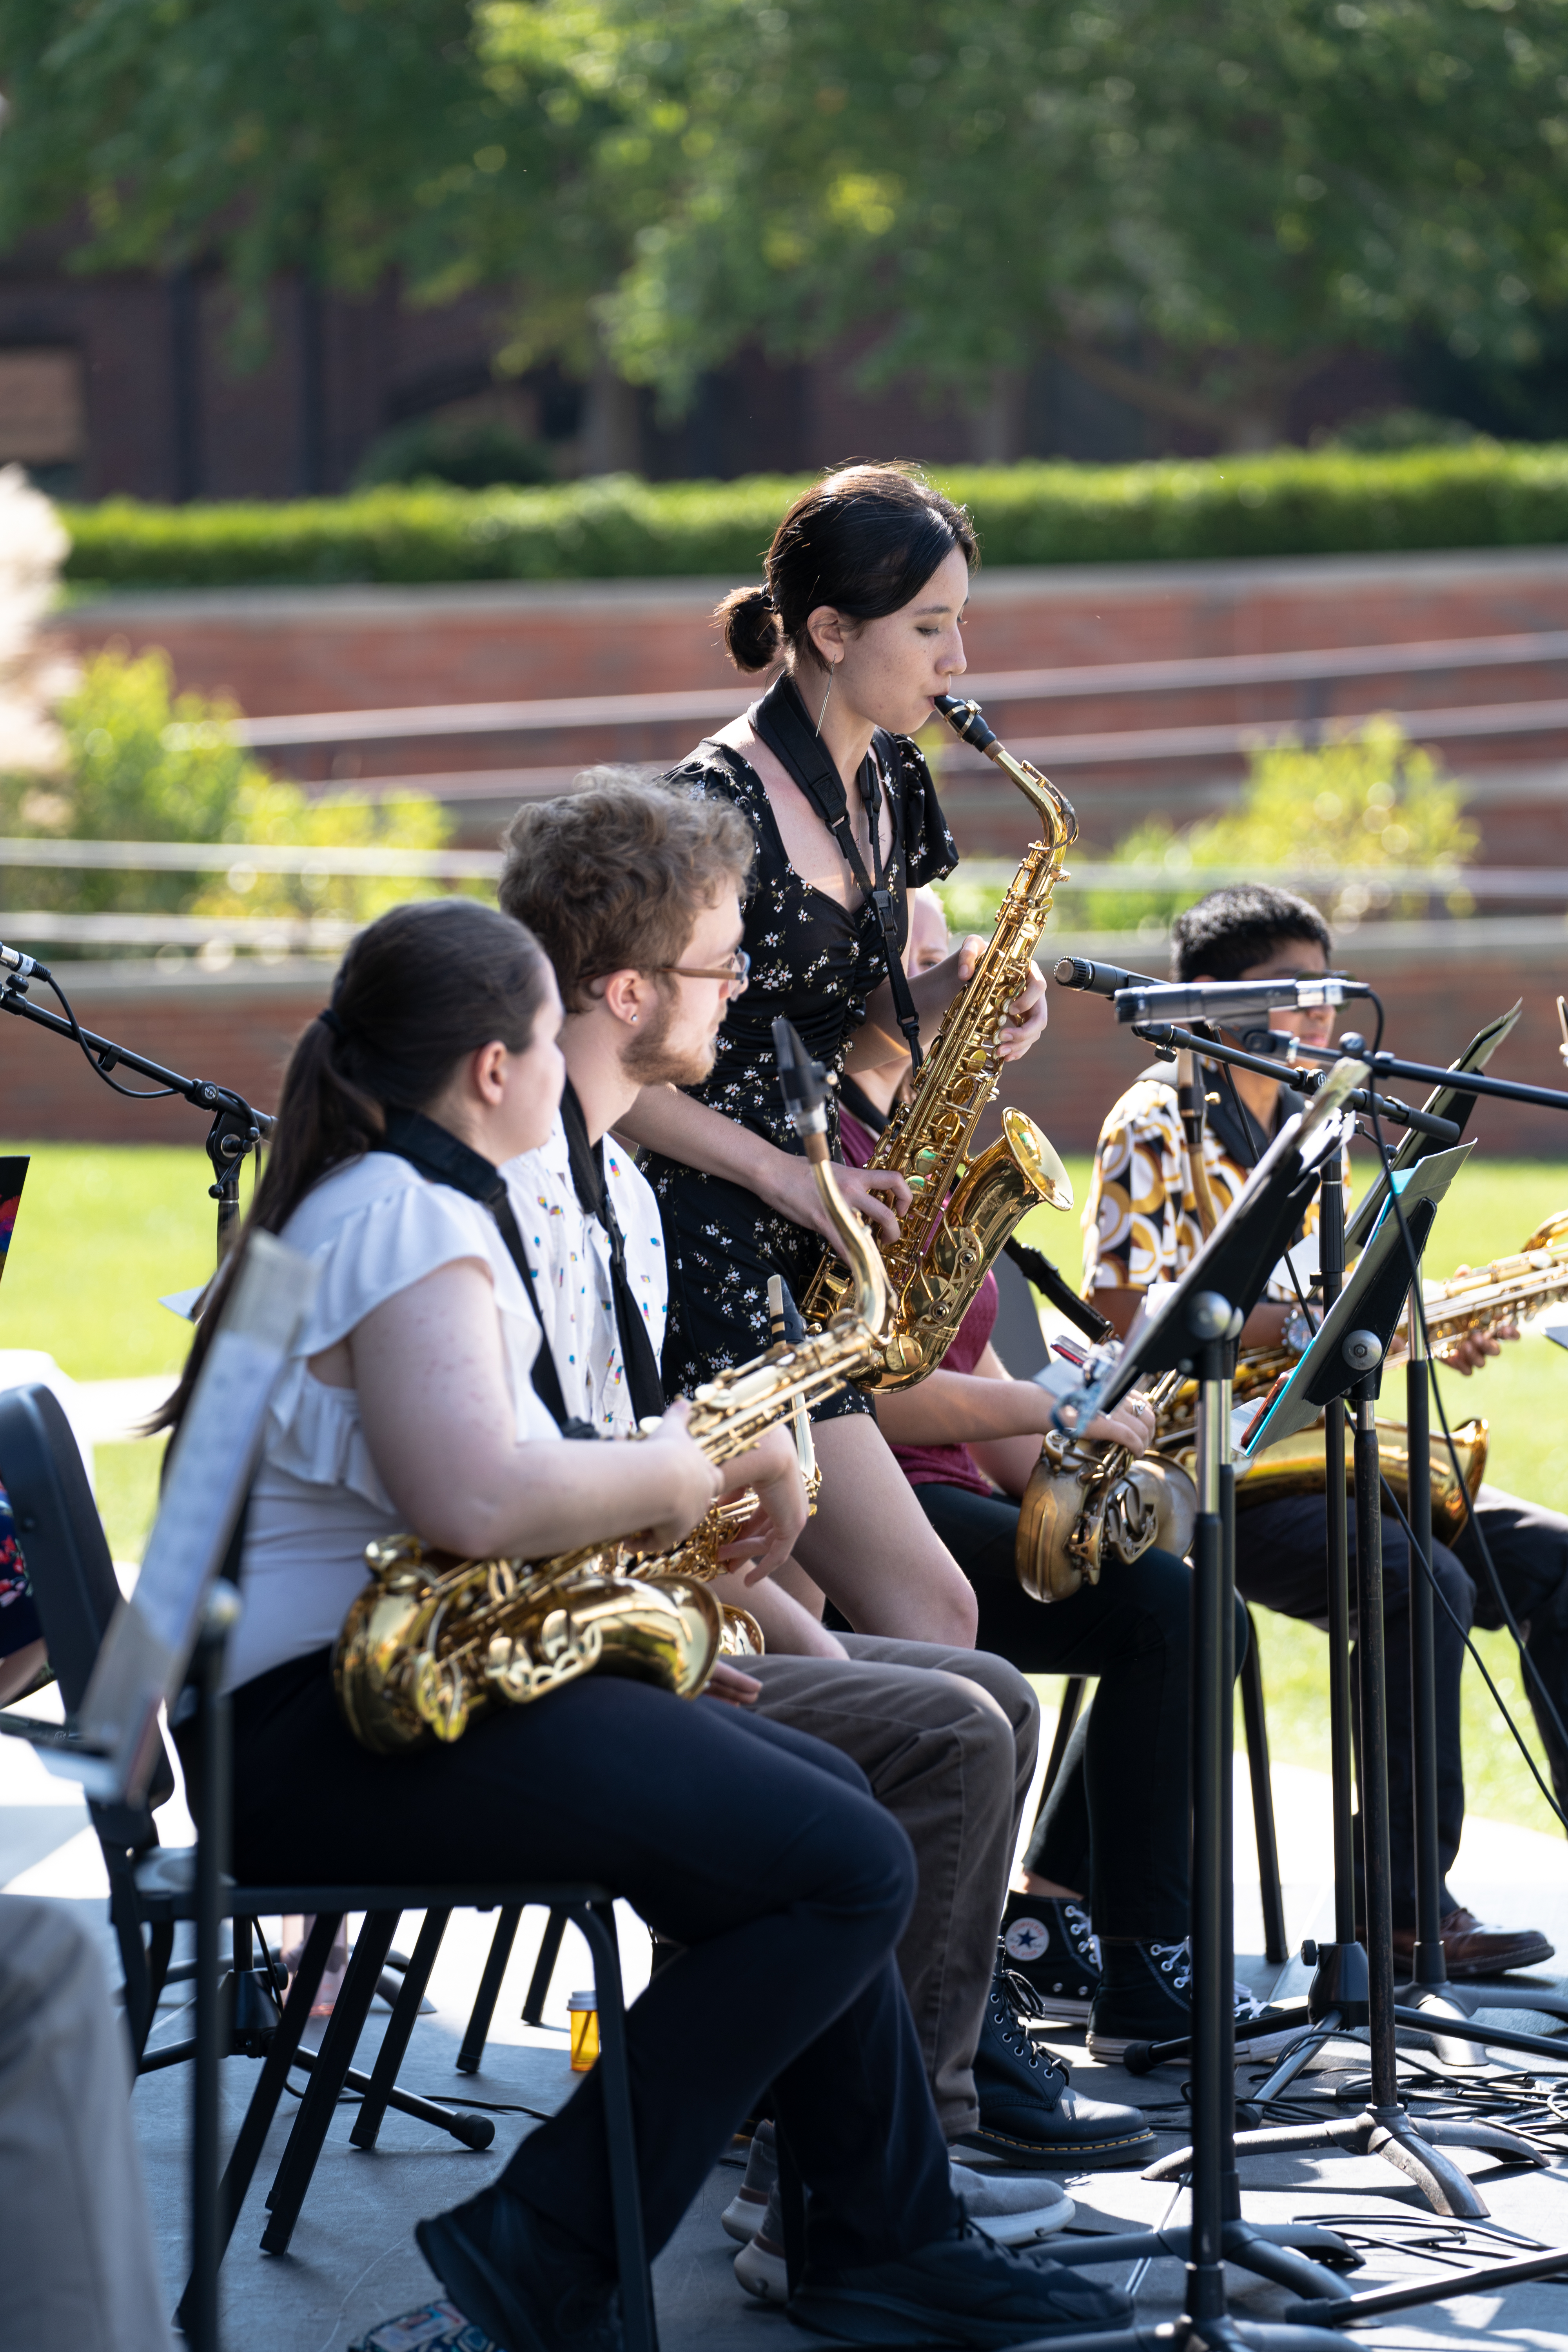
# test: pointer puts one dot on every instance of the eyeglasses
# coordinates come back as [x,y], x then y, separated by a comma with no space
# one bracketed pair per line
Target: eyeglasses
[736,973]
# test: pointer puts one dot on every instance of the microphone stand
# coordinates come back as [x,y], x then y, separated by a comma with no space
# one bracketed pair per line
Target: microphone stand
[236,1128]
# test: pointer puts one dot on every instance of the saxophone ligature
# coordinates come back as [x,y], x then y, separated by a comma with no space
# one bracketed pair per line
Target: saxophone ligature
[963,1212]
[432,1641]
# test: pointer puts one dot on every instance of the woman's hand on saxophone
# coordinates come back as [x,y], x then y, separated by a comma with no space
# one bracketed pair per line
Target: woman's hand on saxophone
[685,1483]
[771,1467]
[1134,1423]
[879,1195]
[1029,1011]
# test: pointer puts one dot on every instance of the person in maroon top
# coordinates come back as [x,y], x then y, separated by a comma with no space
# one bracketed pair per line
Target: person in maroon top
[1101,1925]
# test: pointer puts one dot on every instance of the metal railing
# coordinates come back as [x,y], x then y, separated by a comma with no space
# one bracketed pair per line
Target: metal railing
[1319,666]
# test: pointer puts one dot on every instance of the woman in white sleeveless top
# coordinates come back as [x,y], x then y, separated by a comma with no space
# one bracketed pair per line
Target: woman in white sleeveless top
[410,1403]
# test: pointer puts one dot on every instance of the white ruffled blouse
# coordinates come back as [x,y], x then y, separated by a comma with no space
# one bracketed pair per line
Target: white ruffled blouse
[374,1226]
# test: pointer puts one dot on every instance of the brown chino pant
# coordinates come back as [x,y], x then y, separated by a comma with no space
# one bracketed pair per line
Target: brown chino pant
[947,1739]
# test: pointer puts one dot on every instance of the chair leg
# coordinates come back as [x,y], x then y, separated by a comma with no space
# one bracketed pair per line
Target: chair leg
[138,1961]
[544,1968]
[1067,1718]
[597,1922]
[327,2077]
[395,2041]
[1252,1720]
[259,2114]
[471,2056]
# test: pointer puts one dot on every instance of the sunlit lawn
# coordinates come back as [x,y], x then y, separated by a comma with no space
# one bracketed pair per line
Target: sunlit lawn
[1523,1394]
[103,1232]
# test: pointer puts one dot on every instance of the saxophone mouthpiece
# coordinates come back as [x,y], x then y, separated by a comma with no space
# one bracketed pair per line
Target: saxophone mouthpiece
[966,720]
[802,1082]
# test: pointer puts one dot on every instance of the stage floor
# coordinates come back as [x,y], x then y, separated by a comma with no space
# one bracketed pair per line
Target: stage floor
[353,2261]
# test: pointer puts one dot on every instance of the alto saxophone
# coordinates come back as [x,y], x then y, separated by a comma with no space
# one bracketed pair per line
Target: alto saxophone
[432,1641]
[1086,1504]
[963,1210]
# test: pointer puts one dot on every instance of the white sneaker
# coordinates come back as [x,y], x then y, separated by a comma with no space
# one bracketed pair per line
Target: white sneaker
[1010,2209]
[760,2266]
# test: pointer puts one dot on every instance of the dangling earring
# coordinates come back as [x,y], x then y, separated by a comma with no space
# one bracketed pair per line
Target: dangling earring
[826,699]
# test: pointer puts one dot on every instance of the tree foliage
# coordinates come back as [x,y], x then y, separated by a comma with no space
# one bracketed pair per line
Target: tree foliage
[1338,817]
[144,764]
[954,184]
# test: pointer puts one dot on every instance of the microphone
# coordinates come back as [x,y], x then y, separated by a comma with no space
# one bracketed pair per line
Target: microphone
[1101,979]
[1224,1000]
[23,966]
[1270,1042]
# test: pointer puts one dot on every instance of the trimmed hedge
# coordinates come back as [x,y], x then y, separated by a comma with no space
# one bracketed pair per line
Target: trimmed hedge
[1295,502]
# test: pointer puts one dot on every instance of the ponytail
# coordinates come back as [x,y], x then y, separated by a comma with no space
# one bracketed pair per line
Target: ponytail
[419,990]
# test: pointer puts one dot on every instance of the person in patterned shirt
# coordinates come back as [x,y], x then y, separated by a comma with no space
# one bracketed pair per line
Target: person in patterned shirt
[1142,1226]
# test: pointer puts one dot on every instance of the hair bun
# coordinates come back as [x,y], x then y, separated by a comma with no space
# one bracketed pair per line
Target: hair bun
[749,619]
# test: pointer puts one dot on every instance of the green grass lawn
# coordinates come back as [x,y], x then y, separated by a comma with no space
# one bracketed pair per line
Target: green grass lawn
[103,1232]
[1523,1395]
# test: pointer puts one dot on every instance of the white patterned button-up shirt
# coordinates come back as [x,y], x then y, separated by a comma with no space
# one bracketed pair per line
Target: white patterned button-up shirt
[569,1251]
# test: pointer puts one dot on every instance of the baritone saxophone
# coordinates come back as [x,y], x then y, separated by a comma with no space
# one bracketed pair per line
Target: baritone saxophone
[432,1642]
[963,1211]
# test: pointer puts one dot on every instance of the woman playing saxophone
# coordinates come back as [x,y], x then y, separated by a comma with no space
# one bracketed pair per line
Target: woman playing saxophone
[410,1401]
[866,580]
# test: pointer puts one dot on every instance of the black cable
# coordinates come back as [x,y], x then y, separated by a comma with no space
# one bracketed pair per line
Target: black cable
[133,1094]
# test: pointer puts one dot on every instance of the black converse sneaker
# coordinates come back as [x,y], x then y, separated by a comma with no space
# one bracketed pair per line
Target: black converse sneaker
[1052,1944]
[1145,1995]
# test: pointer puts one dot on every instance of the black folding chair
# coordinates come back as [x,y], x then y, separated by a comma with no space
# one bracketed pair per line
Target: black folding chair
[153,1887]
[1275,1948]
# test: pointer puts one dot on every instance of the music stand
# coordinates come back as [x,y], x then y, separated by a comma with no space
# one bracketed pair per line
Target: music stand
[1194,1330]
[1344,1359]
[180,1611]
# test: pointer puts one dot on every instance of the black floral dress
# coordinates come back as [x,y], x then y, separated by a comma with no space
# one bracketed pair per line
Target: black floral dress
[816,963]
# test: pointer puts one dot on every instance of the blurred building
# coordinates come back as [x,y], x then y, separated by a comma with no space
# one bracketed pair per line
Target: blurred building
[127,383]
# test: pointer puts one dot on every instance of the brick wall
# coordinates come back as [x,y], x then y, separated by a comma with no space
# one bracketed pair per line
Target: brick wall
[283,651]
[238,1028]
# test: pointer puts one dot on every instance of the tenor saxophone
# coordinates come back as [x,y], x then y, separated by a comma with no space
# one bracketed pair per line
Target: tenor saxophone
[431,1641]
[963,1211]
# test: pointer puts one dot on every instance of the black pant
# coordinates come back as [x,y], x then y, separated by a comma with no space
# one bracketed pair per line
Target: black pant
[1529,1548]
[1280,1563]
[757,1848]
[1117,1819]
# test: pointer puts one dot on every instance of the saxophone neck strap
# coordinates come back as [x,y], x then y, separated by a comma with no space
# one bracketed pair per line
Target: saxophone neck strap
[782,720]
[645,1383]
[445,1159]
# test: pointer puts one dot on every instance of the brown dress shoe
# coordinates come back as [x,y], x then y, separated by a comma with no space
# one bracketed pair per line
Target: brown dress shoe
[1470,1949]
